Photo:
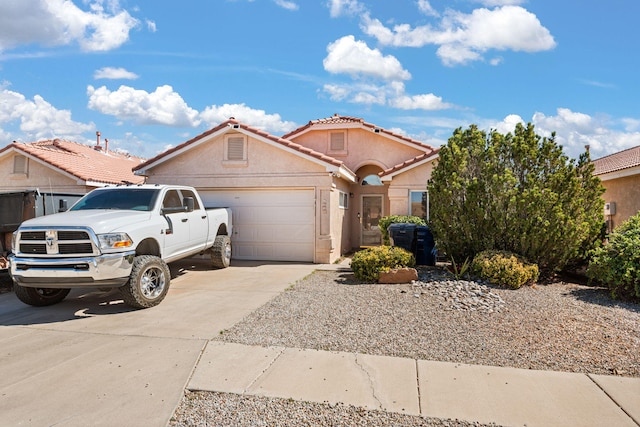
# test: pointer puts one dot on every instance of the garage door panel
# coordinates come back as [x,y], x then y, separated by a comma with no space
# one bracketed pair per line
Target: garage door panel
[276,225]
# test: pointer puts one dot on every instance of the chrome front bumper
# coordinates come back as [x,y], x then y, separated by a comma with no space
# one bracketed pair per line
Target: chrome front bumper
[102,271]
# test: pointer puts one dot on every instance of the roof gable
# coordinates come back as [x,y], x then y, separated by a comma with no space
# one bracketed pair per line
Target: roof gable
[346,122]
[398,169]
[234,125]
[625,159]
[80,161]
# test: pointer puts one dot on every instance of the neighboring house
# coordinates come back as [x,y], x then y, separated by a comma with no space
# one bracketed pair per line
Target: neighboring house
[312,195]
[36,177]
[620,175]
[59,166]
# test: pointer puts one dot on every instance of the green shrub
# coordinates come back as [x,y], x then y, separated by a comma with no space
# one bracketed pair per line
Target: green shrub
[386,221]
[504,269]
[368,263]
[617,263]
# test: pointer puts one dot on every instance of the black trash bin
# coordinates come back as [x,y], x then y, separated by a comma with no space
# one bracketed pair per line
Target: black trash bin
[403,235]
[425,246]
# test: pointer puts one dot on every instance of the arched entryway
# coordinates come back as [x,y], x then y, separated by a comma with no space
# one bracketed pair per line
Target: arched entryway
[370,196]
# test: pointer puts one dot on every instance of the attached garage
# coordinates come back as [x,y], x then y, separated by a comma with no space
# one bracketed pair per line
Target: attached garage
[269,224]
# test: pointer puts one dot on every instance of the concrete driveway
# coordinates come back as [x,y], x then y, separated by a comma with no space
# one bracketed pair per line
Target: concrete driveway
[91,360]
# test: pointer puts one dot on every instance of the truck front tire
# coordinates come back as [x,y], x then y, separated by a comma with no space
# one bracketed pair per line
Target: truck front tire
[221,252]
[40,297]
[148,283]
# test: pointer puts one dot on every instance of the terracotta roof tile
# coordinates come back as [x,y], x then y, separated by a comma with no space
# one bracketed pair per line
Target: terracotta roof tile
[346,120]
[407,164]
[614,162]
[82,161]
[233,122]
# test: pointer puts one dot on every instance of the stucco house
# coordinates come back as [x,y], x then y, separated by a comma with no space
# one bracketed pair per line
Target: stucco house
[60,166]
[35,177]
[620,176]
[311,195]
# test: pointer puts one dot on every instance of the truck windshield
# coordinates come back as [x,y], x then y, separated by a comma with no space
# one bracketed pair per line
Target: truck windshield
[137,199]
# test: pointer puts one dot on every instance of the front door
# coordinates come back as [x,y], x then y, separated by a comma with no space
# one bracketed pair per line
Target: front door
[370,234]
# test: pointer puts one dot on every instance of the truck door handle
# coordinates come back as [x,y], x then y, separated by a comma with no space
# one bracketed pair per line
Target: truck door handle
[203,217]
[185,219]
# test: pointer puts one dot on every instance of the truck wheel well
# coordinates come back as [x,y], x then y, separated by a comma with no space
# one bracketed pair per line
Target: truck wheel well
[222,230]
[148,247]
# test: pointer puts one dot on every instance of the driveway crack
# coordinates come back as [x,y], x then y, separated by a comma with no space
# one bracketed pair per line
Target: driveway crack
[273,361]
[371,383]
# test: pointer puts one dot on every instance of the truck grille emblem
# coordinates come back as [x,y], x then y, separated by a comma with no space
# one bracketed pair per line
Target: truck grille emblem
[50,238]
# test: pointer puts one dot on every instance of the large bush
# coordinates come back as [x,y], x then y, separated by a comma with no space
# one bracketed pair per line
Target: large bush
[617,263]
[386,221]
[515,192]
[504,269]
[368,263]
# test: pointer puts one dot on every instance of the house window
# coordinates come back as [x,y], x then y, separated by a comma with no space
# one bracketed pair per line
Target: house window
[344,200]
[372,180]
[338,142]
[20,165]
[235,150]
[419,204]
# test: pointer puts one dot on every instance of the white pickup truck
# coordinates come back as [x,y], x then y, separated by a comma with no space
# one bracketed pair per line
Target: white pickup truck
[120,236]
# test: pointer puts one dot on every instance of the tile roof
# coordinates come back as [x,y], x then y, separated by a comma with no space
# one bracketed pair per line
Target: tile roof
[347,120]
[82,161]
[407,164]
[614,162]
[238,125]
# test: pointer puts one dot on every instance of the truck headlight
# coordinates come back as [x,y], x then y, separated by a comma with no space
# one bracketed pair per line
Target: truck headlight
[114,240]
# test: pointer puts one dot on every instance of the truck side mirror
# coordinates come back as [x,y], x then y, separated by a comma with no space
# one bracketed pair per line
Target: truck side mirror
[62,205]
[187,203]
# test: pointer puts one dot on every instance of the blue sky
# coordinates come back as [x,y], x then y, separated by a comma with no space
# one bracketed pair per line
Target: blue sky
[150,74]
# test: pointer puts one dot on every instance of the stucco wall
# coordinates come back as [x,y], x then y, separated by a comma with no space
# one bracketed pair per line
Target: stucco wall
[38,176]
[266,166]
[625,193]
[363,147]
[415,179]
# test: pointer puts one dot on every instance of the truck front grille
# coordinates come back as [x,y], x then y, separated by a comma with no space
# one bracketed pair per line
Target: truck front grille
[51,242]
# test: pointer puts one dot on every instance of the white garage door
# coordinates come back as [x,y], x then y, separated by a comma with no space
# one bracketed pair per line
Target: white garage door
[272,225]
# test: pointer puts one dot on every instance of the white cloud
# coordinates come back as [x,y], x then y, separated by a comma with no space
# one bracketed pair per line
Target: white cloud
[151,25]
[114,73]
[575,130]
[161,107]
[38,118]
[348,56]
[391,94]
[465,37]
[427,102]
[61,22]
[289,5]
[425,7]
[272,123]
[345,7]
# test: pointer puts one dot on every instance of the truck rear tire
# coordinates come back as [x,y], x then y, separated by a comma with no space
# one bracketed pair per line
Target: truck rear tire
[221,252]
[148,283]
[40,297]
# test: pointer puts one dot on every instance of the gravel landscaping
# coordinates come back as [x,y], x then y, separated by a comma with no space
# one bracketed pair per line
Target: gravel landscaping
[560,326]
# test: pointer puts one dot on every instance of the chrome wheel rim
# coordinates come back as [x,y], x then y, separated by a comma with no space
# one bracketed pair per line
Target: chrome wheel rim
[152,282]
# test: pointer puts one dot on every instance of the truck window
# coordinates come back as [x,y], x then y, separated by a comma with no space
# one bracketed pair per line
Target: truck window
[171,200]
[189,193]
[138,199]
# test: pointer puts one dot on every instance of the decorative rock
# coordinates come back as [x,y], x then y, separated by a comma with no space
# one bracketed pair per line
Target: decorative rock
[398,275]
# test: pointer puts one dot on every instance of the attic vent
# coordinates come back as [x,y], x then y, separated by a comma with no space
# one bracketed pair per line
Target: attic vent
[20,164]
[235,148]
[337,141]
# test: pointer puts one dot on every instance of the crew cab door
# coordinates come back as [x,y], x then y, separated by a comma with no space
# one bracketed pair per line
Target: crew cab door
[198,221]
[176,233]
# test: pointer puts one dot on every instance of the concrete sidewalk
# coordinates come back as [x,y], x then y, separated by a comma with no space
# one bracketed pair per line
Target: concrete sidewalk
[506,396]
[90,360]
